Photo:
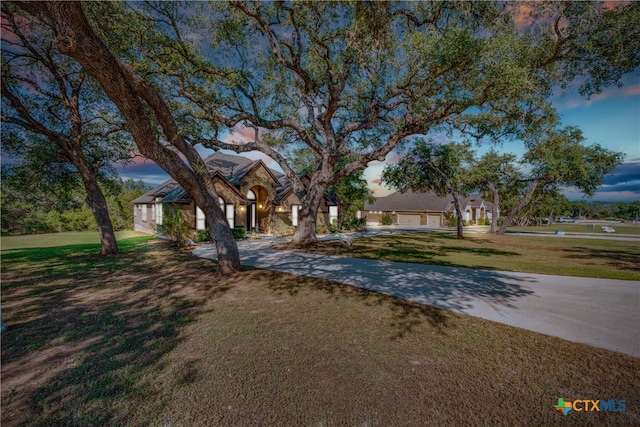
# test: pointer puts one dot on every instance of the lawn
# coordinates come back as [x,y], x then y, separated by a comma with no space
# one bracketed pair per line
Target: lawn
[623,228]
[546,255]
[154,337]
[54,239]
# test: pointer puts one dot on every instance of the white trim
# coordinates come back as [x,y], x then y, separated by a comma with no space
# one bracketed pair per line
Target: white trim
[294,214]
[333,214]
[159,214]
[201,221]
[231,214]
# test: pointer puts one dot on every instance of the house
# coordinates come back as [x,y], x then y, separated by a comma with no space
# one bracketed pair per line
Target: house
[425,209]
[251,195]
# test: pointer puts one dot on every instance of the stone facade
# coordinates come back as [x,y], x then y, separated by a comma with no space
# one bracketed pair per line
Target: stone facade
[251,195]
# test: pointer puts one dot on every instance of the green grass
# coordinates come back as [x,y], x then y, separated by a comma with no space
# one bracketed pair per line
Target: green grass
[59,239]
[626,228]
[154,337]
[546,255]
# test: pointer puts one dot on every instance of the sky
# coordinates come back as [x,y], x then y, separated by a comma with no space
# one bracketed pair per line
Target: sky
[611,119]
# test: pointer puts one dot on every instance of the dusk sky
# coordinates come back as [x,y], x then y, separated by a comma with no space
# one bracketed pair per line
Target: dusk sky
[611,119]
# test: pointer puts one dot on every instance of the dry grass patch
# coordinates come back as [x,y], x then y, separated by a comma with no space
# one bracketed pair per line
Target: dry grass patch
[545,255]
[152,337]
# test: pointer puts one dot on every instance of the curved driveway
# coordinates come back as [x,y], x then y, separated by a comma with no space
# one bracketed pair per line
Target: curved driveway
[599,312]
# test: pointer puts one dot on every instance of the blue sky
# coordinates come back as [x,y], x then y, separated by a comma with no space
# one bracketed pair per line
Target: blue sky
[611,119]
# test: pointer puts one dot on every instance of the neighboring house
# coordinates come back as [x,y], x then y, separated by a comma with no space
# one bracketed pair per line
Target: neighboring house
[250,194]
[426,209]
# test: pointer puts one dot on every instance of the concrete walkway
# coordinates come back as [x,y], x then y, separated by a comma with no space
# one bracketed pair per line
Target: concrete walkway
[599,312]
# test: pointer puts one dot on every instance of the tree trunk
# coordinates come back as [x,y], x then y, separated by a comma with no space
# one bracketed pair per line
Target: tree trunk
[228,256]
[495,209]
[456,203]
[515,211]
[95,197]
[98,204]
[305,234]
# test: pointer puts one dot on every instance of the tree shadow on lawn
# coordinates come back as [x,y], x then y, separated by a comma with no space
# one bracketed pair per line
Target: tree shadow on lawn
[407,315]
[80,337]
[617,258]
[432,286]
[401,251]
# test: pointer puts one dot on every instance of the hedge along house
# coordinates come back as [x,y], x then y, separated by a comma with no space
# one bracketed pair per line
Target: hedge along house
[424,209]
[250,194]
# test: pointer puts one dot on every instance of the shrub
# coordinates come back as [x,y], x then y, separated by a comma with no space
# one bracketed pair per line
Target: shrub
[175,225]
[358,224]
[386,220]
[42,222]
[204,236]
[239,232]
[453,222]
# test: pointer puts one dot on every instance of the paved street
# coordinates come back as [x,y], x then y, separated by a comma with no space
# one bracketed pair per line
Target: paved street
[599,312]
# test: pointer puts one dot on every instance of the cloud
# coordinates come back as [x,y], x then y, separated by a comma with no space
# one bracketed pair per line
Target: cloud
[631,88]
[240,134]
[521,14]
[142,169]
[626,173]
[610,4]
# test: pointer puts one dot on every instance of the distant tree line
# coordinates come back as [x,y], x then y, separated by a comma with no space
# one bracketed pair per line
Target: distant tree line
[31,206]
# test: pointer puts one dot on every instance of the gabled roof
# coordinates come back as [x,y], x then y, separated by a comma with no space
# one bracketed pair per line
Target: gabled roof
[411,201]
[158,191]
[424,201]
[226,163]
[176,195]
[229,168]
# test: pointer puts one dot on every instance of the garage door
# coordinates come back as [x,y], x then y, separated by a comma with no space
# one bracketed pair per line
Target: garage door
[408,219]
[433,220]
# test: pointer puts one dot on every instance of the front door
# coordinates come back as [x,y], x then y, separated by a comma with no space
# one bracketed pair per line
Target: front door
[252,217]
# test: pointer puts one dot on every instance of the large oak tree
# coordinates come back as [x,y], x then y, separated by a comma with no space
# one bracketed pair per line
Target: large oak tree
[56,121]
[350,80]
[353,80]
[142,107]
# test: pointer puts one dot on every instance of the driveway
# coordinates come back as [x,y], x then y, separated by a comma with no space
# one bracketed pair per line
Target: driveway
[599,312]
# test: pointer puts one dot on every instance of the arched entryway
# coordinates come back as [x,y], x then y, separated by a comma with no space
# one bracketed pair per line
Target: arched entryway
[257,199]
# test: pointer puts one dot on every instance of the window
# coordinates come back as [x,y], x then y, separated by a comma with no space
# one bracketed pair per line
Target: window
[231,215]
[159,214]
[333,214]
[251,195]
[201,223]
[221,203]
[294,215]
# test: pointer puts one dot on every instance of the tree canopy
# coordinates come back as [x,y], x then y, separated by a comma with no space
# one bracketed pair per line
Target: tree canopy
[349,80]
[56,121]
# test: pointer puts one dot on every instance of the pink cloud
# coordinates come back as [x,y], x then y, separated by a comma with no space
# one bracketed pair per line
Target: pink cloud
[610,4]
[240,134]
[521,14]
[632,90]
[611,92]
